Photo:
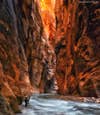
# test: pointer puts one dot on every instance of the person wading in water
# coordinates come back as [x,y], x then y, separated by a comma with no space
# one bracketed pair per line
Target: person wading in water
[27,98]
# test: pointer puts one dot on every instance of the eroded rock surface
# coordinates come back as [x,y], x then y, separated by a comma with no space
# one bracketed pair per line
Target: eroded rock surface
[77,33]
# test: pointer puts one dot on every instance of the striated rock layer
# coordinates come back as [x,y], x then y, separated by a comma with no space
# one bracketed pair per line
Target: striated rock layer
[75,39]
[77,47]
[16,31]
[27,59]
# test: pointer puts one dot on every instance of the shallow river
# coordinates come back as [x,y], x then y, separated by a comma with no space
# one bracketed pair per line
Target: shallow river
[41,105]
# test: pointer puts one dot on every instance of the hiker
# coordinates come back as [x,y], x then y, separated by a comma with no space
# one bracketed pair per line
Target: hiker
[27,98]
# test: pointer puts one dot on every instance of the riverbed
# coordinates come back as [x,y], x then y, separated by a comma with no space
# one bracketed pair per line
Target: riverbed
[47,104]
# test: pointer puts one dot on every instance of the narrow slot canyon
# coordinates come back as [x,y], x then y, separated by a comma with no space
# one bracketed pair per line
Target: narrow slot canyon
[49,51]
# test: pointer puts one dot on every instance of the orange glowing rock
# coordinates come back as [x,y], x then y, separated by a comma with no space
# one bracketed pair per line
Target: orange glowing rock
[48,17]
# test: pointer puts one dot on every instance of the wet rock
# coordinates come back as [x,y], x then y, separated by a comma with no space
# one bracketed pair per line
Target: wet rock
[14,105]
[97,100]
[5,108]
[91,100]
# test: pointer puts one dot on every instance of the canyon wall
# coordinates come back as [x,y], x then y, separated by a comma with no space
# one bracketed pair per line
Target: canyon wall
[88,49]
[77,47]
[72,29]
[27,60]
[18,30]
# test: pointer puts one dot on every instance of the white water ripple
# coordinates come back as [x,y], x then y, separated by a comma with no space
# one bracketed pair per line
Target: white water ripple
[43,106]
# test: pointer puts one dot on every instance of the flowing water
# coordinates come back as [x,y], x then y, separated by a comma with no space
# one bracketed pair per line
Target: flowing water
[41,105]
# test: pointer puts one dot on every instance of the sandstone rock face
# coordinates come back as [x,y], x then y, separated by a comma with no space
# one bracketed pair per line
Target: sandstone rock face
[78,63]
[4,107]
[88,65]
[75,38]
[69,29]
[27,59]
[65,36]
[14,75]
